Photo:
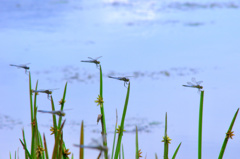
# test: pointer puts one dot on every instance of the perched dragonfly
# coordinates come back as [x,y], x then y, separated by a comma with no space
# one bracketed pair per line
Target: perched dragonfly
[96,144]
[93,61]
[22,66]
[47,91]
[58,112]
[194,84]
[125,79]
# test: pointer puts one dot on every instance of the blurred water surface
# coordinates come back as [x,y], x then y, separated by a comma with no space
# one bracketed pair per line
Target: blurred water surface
[163,44]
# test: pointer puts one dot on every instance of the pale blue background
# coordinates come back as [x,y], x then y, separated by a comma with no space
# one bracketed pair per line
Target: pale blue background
[184,38]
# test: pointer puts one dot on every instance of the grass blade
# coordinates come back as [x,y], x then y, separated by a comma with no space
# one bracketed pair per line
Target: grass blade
[81,154]
[165,140]
[57,140]
[200,126]
[122,124]
[176,151]
[114,134]
[55,128]
[137,154]
[24,141]
[45,146]
[122,152]
[104,132]
[25,148]
[229,134]
[62,105]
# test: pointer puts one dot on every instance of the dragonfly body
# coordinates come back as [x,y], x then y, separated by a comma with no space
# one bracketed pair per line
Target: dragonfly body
[194,84]
[100,147]
[22,66]
[58,112]
[125,79]
[96,144]
[47,91]
[95,61]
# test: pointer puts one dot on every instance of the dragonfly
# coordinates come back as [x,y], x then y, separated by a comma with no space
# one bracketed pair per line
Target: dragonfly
[125,79]
[93,61]
[194,84]
[24,66]
[95,144]
[47,91]
[57,112]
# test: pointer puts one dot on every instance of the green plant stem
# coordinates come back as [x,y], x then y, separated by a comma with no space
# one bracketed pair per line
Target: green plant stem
[165,140]
[200,126]
[104,132]
[176,151]
[122,124]
[227,137]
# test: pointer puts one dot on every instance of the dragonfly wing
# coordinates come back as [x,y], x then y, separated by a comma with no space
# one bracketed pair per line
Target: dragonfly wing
[189,83]
[98,57]
[44,111]
[113,77]
[91,58]
[199,82]
[53,89]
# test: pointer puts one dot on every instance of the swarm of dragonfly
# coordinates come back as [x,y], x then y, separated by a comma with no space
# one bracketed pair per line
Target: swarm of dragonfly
[95,61]
[194,84]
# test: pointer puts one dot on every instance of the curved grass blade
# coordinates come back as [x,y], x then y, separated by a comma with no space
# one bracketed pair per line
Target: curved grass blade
[122,124]
[24,141]
[176,151]
[81,154]
[229,134]
[200,126]
[25,148]
[156,157]
[62,105]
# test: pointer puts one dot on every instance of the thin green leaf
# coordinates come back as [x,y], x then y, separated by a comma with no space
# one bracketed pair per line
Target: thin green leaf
[24,141]
[104,132]
[166,140]
[122,124]
[81,151]
[62,105]
[114,134]
[137,154]
[176,151]
[200,126]
[57,140]
[228,136]
[122,152]
[25,148]
[45,146]
[54,119]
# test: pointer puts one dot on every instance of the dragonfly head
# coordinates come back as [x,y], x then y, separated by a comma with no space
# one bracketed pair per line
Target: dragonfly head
[48,92]
[60,113]
[26,67]
[96,62]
